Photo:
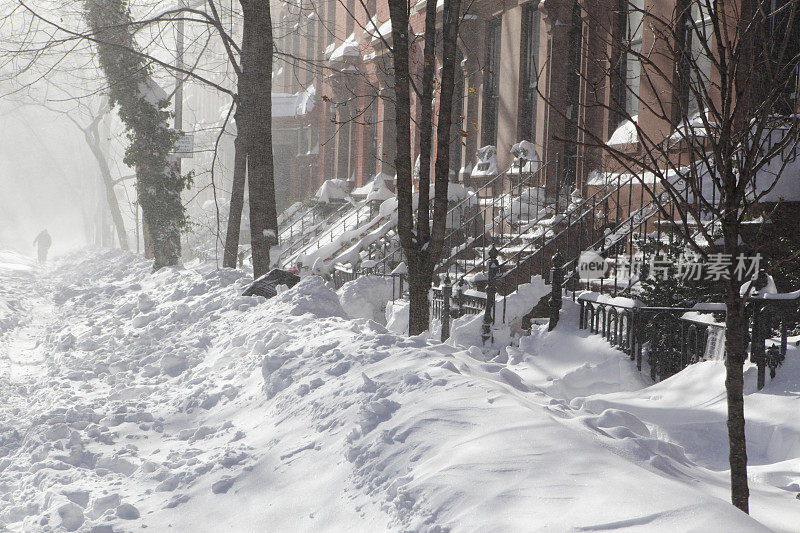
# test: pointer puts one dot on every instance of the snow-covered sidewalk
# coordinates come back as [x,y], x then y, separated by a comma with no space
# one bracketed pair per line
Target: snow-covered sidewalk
[170,402]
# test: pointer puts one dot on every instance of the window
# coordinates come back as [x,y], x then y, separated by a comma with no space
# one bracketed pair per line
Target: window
[631,66]
[625,91]
[372,132]
[456,124]
[330,24]
[343,150]
[570,162]
[696,66]
[530,54]
[491,83]
[311,52]
[295,79]
[350,15]
[784,62]
[329,170]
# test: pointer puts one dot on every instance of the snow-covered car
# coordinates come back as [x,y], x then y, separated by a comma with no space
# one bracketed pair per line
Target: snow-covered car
[267,285]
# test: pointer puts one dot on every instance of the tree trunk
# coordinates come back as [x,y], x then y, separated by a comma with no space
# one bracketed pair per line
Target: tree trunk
[133,90]
[450,22]
[422,244]
[426,130]
[149,252]
[92,137]
[257,101]
[402,161]
[231,254]
[398,13]
[419,287]
[735,327]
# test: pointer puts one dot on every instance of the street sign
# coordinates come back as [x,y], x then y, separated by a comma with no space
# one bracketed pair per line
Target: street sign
[184,147]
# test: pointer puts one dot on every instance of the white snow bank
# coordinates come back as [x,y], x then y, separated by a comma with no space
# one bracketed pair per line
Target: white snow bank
[14,263]
[366,297]
[467,330]
[172,403]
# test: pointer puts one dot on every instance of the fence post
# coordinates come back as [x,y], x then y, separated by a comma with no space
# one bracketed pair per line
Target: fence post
[447,291]
[556,280]
[491,290]
[758,352]
[458,309]
[637,332]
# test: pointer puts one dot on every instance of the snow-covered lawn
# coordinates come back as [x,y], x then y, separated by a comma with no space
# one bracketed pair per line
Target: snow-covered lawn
[167,401]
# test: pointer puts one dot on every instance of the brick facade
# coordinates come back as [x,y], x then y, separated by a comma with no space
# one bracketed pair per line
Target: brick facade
[350,69]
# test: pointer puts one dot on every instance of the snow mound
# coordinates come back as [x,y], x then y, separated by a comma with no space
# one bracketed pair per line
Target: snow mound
[366,297]
[311,295]
[169,401]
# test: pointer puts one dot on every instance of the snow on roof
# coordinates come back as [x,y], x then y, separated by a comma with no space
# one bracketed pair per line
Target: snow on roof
[348,49]
[626,133]
[334,189]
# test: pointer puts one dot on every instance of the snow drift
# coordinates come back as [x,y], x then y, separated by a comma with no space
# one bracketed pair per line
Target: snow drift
[169,402]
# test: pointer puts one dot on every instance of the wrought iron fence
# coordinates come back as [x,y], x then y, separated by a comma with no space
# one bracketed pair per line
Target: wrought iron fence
[341,275]
[672,338]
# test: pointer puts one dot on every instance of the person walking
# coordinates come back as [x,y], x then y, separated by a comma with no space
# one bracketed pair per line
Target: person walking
[43,241]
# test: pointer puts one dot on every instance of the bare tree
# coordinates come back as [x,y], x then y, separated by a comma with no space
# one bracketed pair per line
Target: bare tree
[253,159]
[255,121]
[422,239]
[712,127]
[253,106]
[91,133]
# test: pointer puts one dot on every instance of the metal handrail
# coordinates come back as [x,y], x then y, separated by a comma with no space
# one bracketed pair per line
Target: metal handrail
[348,208]
[480,214]
[582,206]
[459,205]
[466,203]
[338,213]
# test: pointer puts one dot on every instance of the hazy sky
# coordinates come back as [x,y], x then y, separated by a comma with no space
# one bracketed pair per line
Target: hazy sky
[44,170]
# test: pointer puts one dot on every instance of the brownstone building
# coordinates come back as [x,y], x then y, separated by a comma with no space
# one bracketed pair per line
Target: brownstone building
[544,72]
